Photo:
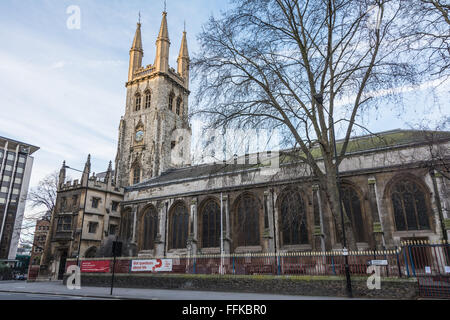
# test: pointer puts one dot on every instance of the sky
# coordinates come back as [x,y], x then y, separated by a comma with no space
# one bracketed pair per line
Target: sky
[63,89]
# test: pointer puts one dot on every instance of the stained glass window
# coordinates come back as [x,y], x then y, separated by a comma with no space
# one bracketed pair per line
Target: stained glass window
[211,224]
[178,226]
[410,207]
[150,228]
[293,219]
[247,221]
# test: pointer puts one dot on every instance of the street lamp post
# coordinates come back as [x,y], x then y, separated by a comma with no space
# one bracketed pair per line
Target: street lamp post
[319,99]
[84,211]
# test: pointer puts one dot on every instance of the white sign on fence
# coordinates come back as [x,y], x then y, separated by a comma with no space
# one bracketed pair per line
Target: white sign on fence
[428,270]
[155,265]
[378,262]
[447,269]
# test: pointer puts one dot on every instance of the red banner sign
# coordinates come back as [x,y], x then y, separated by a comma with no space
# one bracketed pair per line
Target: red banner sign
[95,266]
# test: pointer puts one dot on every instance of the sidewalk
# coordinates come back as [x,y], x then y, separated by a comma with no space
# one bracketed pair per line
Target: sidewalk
[57,288]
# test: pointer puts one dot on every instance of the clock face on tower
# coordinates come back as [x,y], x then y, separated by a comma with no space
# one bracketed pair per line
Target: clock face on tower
[139,136]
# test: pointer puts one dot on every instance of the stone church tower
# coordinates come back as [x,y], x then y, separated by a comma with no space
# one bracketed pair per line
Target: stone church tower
[154,133]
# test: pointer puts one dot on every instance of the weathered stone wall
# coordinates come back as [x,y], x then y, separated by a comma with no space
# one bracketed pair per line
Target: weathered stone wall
[154,154]
[308,286]
[364,173]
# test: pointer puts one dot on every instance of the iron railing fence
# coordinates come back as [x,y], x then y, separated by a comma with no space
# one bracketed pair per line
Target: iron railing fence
[429,262]
[411,259]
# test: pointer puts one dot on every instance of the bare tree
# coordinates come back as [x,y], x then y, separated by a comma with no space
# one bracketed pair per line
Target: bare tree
[41,199]
[428,25]
[262,63]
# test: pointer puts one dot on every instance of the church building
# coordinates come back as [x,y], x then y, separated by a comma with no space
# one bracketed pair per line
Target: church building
[173,208]
[394,187]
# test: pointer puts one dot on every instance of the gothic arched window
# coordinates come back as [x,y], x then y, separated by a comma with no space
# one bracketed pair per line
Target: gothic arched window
[410,206]
[353,210]
[210,216]
[126,225]
[91,252]
[247,221]
[171,97]
[137,105]
[179,105]
[293,219]
[178,226]
[150,228]
[136,174]
[148,99]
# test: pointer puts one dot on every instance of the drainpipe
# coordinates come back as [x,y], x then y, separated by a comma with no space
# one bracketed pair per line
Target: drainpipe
[274,224]
[165,230]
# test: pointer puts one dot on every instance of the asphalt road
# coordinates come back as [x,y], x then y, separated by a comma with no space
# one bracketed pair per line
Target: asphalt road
[57,291]
[34,296]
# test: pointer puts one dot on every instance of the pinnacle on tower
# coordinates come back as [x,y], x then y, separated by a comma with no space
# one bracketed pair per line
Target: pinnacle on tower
[62,175]
[183,60]
[108,173]
[86,171]
[162,47]
[136,53]
[137,41]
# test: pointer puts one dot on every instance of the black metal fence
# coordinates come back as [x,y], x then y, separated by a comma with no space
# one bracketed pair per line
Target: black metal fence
[426,261]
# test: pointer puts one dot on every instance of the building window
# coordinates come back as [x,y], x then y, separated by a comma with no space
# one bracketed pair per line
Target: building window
[63,203]
[74,201]
[137,105]
[64,224]
[114,206]
[112,229]
[95,202]
[410,206]
[210,216]
[136,175]
[22,159]
[148,99]
[353,210]
[178,105]
[126,226]
[171,97]
[293,219]
[150,225]
[178,226]
[91,252]
[247,221]
[93,227]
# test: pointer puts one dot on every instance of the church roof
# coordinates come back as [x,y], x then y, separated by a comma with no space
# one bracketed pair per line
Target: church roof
[362,144]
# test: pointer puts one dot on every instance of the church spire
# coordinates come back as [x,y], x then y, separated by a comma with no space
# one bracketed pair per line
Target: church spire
[108,176]
[136,52]
[62,175]
[86,171]
[162,46]
[183,60]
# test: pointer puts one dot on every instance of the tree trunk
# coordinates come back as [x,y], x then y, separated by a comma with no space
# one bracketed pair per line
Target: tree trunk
[331,192]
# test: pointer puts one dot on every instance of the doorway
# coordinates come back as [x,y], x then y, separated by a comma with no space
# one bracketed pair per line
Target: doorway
[62,265]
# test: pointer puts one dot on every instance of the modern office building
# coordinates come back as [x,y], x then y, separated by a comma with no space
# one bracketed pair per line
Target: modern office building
[16,163]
